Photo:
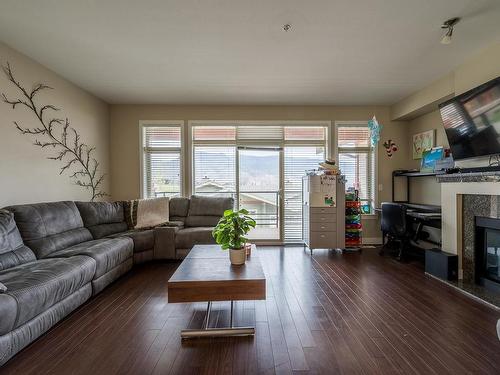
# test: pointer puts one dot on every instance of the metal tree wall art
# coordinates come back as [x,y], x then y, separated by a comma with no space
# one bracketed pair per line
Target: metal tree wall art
[56,133]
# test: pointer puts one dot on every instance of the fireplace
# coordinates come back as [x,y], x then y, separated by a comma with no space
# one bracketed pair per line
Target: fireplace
[487,252]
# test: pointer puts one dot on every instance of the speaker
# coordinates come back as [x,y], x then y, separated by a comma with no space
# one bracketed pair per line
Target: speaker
[441,264]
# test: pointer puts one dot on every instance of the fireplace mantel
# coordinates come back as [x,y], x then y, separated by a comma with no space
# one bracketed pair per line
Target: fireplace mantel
[478,177]
[452,224]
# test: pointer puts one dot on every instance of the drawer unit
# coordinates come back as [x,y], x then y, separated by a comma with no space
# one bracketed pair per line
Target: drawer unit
[323,227]
[324,210]
[323,218]
[324,240]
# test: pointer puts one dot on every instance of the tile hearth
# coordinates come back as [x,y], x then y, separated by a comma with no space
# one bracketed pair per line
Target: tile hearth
[475,205]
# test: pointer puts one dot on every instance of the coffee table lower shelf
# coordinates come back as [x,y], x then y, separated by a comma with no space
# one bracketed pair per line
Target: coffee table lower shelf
[217,332]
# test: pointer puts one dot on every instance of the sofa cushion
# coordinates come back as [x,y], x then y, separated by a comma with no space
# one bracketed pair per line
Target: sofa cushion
[143,239]
[178,207]
[49,227]
[209,206]
[34,287]
[102,218]
[188,237]
[12,249]
[207,211]
[107,252]
[202,221]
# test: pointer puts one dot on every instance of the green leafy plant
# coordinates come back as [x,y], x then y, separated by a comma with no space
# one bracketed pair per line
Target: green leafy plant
[231,229]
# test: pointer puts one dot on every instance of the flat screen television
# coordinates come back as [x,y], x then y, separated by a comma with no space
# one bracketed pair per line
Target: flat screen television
[472,121]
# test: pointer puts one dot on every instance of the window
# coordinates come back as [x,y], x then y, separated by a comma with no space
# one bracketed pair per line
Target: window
[261,165]
[162,160]
[214,170]
[356,159]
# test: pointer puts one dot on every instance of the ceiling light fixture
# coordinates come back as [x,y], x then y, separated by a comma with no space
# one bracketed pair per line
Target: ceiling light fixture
[287,27]
[448,26]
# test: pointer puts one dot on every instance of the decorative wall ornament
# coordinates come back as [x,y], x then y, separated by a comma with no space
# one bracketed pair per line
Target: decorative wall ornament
[390,147]
[375,128]
[57,134]
[421,142]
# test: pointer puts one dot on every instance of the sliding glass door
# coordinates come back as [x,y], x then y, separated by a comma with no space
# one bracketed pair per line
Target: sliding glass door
[259,189]
[261,167]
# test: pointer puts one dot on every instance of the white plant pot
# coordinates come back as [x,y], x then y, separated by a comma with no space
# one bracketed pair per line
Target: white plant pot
[237,256]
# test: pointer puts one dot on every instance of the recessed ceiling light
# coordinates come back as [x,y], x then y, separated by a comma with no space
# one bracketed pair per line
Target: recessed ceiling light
[287,27]
[448,26]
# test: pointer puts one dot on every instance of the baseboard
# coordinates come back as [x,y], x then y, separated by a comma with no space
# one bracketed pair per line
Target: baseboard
[372,240]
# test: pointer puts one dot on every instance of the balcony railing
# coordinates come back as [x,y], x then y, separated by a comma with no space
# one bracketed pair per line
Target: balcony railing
[266,216]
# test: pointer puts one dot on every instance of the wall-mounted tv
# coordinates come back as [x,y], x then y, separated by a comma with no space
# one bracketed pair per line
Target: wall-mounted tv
[472,121]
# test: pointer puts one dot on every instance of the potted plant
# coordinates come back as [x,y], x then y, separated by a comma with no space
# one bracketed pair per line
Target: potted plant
[230,233]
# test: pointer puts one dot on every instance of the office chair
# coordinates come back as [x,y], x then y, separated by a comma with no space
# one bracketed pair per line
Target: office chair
[394,227]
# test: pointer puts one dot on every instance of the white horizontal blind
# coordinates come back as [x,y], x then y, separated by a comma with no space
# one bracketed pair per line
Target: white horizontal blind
[259,133]
[162,160]
[248,134]
[297,160]
[357,159]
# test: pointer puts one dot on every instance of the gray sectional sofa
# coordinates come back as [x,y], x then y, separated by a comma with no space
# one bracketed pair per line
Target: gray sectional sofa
[55,256]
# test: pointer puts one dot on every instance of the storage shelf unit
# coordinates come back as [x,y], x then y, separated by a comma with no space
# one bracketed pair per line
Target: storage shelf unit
[353,227]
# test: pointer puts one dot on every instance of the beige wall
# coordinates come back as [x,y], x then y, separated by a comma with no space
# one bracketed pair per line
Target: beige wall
[479,69]
[27,175]
[125,183]
[424,100]
[425,189]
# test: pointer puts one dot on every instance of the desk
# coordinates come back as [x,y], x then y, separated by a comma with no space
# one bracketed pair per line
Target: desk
[422,215]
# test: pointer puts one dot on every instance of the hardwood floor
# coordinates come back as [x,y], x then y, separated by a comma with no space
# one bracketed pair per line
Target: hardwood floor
[327,314]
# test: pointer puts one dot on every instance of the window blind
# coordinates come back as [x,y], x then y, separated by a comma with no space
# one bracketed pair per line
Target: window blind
[356,160]
[162,161]
[214,133]
[297,160]
[157,137]
[258,134]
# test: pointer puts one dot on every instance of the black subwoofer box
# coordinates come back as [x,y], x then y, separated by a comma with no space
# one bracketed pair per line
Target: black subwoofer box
[441,264]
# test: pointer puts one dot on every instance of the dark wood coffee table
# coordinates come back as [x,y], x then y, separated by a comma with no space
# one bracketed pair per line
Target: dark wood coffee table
[206,274]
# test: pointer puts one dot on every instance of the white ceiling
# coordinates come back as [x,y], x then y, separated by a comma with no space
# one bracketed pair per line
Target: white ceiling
[235,51]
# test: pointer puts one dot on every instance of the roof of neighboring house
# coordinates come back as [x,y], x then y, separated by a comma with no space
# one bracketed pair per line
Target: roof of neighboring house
[259,196]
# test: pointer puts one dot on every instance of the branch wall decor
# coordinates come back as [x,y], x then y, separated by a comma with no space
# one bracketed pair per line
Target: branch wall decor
[57,134]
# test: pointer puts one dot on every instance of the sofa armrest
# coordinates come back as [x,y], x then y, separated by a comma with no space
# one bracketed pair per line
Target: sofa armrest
[164,247]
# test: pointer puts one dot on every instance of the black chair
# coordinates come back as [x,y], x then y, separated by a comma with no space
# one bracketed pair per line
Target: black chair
[394,227]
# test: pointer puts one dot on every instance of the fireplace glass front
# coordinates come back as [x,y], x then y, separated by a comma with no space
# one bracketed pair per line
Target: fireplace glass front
[492,258]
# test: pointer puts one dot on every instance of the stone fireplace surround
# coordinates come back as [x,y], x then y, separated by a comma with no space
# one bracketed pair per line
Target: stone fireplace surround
[475,205]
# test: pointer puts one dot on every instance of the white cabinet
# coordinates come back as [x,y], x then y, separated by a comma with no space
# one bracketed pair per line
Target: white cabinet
[323,212]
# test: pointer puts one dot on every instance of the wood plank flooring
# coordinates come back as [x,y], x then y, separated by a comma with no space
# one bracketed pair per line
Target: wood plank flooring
[326,314]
